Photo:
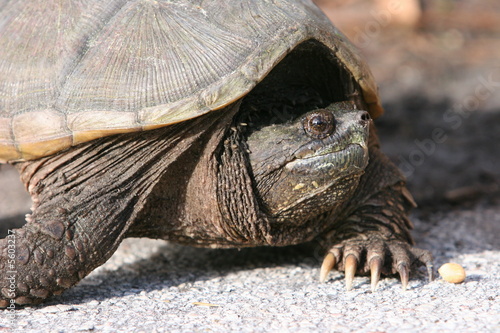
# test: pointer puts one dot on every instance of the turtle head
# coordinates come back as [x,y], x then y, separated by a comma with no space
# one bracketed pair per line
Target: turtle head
[312,163]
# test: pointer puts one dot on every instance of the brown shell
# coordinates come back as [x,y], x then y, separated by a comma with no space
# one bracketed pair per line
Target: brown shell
[72,71]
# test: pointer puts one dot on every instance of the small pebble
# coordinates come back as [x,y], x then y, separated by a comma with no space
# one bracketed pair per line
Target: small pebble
[452,272]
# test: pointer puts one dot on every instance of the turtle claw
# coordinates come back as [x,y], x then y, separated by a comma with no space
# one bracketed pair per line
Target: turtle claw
[375,270]
[375,257]
[404,273]
[351,265]
[328,264]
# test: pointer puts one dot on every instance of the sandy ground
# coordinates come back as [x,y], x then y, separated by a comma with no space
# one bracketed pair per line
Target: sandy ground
[440,81]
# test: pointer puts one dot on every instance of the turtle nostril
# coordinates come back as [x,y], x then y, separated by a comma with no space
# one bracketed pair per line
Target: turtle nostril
[364,117]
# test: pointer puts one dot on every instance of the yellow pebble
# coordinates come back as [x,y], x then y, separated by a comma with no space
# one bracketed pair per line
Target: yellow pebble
[452,272]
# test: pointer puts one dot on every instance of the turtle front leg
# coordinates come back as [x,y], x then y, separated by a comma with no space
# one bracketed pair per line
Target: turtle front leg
[81,212]
[374,236]
[45,257]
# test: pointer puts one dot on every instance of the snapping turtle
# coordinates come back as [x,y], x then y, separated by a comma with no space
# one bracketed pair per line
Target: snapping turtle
[213,123]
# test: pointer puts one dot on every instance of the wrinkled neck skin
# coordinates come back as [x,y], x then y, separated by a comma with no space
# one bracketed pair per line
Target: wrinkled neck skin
[211,181]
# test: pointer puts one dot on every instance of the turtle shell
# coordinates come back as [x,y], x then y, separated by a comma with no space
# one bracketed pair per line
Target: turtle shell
[75,71]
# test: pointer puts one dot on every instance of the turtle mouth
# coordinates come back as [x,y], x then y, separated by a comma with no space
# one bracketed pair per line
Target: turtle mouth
[351,159]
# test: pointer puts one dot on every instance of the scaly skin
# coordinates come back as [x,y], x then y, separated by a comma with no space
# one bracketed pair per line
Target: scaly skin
[87,199]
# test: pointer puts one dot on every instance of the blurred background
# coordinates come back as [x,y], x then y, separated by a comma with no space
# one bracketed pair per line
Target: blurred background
[437,64]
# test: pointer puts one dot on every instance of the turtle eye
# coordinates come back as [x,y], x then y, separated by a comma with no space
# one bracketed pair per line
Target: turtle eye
[319,124]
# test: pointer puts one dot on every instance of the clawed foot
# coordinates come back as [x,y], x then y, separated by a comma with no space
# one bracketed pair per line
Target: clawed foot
[377,257]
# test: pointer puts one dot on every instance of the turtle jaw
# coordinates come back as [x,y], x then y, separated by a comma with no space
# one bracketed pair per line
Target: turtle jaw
[316,177]
[319,175]
[347,160]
